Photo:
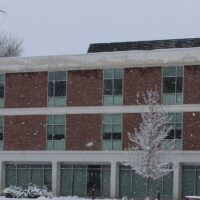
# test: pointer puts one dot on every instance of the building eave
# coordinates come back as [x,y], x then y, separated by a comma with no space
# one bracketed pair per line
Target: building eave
[120,59]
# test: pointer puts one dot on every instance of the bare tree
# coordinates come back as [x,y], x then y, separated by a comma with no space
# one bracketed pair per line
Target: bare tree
[147,155]
[10,45]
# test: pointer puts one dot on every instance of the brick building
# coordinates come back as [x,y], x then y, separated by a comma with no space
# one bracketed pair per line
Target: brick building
[64,119]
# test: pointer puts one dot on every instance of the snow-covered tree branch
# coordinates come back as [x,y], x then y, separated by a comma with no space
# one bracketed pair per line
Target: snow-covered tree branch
[147,155]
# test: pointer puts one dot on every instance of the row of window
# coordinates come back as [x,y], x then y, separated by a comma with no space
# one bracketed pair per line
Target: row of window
[111,131]
[172,92]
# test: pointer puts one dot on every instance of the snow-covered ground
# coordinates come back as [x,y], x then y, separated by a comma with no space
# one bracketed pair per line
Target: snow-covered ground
[54,198]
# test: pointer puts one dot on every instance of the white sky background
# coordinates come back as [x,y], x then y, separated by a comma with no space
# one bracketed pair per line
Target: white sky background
[57,27]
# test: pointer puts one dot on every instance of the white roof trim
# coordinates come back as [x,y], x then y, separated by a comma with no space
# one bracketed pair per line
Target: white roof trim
[120,59]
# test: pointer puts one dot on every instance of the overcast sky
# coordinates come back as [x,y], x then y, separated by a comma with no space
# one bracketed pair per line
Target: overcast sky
[57,27]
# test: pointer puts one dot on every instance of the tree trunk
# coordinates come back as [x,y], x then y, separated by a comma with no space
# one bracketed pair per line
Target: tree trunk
[149,189]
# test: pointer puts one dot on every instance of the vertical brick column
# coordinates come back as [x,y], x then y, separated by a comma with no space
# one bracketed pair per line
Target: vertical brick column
[84,132]
[84,88]
[24,90]
[138,80]
[25,132]
[191,85]
[191,130]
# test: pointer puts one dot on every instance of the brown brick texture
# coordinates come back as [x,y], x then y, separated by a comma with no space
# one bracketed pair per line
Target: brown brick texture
[84,88]
[26,90]
[84,132]
[138,80]
[191,131]
[25,132]
[130,122]
[191,84]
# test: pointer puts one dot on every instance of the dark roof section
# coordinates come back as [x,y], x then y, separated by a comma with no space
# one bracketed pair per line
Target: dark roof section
[144,45]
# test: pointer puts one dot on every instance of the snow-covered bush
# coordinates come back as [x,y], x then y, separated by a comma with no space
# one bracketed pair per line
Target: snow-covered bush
[33,191]
[13,192]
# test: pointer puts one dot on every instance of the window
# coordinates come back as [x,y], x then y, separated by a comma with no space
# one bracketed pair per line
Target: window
[2,80]
[79,180]
[56,132]
[190,180]
[113,87]
[112,132]
[135,186]
[174,138]
[23,174]
[57,89]
[172,85]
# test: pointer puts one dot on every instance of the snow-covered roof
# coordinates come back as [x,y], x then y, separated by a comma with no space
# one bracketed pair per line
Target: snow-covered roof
[103,60]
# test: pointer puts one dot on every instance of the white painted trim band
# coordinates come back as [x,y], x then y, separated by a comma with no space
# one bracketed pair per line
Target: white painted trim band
[95,110]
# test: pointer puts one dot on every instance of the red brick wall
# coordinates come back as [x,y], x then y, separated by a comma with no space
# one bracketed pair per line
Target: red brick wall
[138,80]
[191,84]
[26,90]
[24,132]
[130,122]
[191,131]
[83,131]
[84,88]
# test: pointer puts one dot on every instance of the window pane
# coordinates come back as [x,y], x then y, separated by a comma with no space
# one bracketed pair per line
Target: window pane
[178,117]
[118,73]
[169,71]
[59,145]
[60,75]
[107,118]
[59,130]
[108,100]
[59,119]
[117,128]
[117,145]
[107,128]
[60,88]
[50,119]
[66,182]
[179,85]
[108,87]
[107,136]
[169,84]
[107,145]
[170,134]
[23,177]
[125,183]
[11,177]
[50,89]
[1,120]
[2,78]
[179,98]
[117,118]
[109,73]
[105,183]
[118,100]
[1,90]
[1,102]
[60,101]
[180,71]
[58,137]
[51,76]
[117,86]
[37,177]
[139,186]
[51,101]
[169,98]
[117,136]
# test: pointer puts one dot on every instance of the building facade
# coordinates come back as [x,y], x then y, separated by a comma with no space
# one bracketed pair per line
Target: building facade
[64,120]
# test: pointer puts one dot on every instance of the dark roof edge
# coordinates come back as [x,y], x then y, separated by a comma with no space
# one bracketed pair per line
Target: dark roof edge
[144,45]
